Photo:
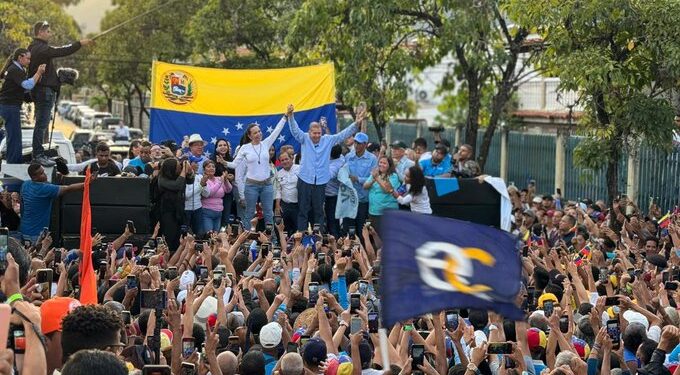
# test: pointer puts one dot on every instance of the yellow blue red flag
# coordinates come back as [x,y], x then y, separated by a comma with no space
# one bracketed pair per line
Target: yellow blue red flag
[220,103]
[443,264]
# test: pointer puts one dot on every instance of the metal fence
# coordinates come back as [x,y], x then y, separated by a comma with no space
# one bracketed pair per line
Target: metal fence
[532,157]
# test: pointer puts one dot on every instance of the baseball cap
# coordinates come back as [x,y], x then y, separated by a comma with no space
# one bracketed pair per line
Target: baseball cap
[339,365]
[314,351]
[53,311]
[582,347]
[188,277]
[208,307]
[270,335]
[398,144]
[361,137]
[536,338]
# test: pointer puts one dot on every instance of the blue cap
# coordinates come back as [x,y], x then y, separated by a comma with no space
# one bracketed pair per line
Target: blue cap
[361,137]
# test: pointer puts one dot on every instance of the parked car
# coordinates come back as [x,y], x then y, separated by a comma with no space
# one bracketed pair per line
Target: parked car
[59,142]
[108,123]
[75,110]
[85,137]
[78,120]
[90,119]
[65,105]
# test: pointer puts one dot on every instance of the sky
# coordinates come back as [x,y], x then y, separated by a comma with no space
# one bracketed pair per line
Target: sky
[88,14]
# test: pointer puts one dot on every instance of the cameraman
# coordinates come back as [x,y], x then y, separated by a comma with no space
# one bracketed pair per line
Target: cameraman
[16,83]
[45,91]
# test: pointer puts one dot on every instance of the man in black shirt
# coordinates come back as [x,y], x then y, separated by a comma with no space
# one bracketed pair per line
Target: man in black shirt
[16,83]
[103,166]
[44,93]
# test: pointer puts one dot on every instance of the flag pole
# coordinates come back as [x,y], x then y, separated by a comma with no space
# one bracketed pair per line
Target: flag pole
[118,26]
[384,353]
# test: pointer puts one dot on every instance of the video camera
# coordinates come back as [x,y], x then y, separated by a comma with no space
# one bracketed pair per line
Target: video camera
[67,75]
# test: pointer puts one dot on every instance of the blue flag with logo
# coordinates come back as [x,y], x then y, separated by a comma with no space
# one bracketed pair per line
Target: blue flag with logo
[431,263]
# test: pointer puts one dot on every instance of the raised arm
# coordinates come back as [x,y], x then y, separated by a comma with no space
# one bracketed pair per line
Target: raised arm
[269,141]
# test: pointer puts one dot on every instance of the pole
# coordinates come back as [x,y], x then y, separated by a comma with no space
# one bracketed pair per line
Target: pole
[116,27]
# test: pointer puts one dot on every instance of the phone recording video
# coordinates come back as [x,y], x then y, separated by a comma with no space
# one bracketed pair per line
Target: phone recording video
[418,355]
[354,302]
[452,320]
[355,325]
[131,282]
[313,293]
[373,322]
[499,348]
[153,299]
[614,332]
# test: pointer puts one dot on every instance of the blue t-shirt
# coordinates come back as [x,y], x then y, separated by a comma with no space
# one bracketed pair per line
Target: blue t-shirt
[269,364]
[36,206]
[432,170]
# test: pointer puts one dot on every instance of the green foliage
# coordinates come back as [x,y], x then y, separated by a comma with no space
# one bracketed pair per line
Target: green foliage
[19,17]
[622,57]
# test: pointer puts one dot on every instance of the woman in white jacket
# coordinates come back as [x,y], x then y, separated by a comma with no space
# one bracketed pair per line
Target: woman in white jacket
[414,193]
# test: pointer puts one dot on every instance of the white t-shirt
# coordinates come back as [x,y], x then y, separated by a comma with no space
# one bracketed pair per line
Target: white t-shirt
[252,161]
[419,203]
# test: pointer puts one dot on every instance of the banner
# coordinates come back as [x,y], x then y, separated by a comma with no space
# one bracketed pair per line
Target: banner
[220,103]
[445,264]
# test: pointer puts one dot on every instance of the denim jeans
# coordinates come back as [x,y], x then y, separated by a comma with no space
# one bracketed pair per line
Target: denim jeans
[289,215]
[332,224]
[227,202]
[194,219]
[211,220]
[310,199]
[12,115]
[44,104]
[265,193]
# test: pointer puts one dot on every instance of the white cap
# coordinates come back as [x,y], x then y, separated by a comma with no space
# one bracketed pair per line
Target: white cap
[270,335]
[188,278]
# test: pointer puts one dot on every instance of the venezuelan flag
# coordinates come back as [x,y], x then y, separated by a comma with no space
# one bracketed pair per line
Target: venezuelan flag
[220,103]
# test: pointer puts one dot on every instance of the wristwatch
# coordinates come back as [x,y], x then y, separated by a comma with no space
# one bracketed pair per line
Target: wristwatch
[472,367]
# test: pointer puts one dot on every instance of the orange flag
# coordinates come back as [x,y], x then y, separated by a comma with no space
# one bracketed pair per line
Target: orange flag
[88,280]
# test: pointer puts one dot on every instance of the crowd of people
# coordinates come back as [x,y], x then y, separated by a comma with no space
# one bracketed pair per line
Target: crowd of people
[266,261]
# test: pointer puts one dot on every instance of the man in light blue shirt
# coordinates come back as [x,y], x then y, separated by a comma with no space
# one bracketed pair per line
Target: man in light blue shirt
[361,164]
[314,167]
[439,165]
[401,162]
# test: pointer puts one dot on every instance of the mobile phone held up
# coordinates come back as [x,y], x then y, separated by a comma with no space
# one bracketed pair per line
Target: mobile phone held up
[4,242]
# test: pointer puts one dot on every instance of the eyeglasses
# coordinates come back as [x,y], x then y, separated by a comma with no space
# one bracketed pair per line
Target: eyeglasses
[116,348]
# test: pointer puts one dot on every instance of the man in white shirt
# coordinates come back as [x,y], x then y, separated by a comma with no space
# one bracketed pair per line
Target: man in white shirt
[286,193]
[122,132]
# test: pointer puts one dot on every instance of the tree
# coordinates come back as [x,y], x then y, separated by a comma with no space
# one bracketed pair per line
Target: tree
[18,18]
[372,46]
[623,57]
[487,49]
[252,34]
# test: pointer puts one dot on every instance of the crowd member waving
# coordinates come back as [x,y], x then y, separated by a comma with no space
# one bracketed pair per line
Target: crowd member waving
[254,173]
[381,185]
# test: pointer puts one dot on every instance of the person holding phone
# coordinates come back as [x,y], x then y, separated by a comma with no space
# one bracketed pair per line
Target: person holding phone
[36,201]
[314,166]
[414,192]
[254,176]
[171,186]
[213,191]
[14,88]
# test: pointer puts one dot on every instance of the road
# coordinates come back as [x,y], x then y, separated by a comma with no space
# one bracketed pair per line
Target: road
[64,126]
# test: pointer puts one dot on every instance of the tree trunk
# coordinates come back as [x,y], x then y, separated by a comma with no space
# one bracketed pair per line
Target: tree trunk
[472,122]
[378,122]
[142,106]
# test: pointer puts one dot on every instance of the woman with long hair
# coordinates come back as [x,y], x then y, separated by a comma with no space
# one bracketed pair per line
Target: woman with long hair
[224,166]
[414,192]
[254,174]
[382,183]
[214,189]
[171,187]
[12,94]
[133,151]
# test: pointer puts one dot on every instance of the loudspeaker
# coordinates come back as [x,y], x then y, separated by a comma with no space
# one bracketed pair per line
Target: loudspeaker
[111,191]
[474,202]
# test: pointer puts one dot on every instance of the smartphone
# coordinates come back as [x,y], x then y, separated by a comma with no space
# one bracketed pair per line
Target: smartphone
[352,232]
[44,279]
[499,348]
[268,229]
[103,266]
[614,332]
[5,313]
[127,317]
[363,287]
[354,302]
[233,345]
[604,273]
[525,251]
[373,322]
[548,308]
[183,230]
[130,282]
[452,320]
[217,279]
[187,368]
[188,346]
[418,355]
[424,334]
[156,370]
[355,325]
[313,292]
[153,299]
[291,347]
[276,253]
[4,241]
[564,324]
[612,301]
[234,229]
[670,285]
[265,250]
[18,340]
[316,228]
[203,272]
[57,256]
[171,273]
[278,220]
[304,339]
[131,226]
